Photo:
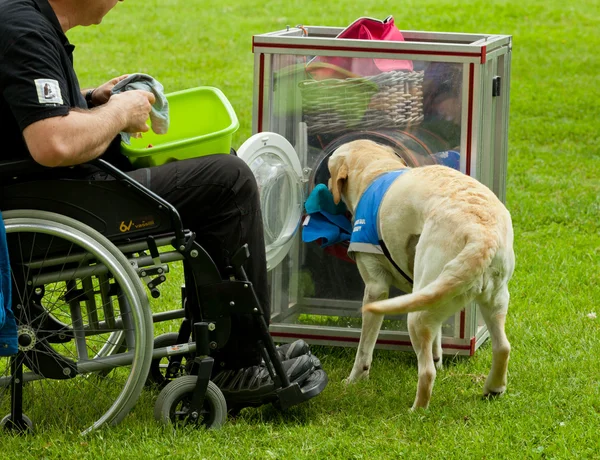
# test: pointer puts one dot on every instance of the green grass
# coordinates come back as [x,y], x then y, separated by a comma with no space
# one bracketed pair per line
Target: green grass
[552,406]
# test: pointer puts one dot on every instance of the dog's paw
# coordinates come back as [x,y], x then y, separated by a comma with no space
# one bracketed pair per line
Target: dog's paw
[355,376]
[352,380]
[418,408]
[494,393]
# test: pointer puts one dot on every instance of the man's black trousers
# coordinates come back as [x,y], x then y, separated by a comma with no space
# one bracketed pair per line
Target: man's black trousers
[217,198]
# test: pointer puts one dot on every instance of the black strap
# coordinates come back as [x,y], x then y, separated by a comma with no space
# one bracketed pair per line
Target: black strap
[389,256]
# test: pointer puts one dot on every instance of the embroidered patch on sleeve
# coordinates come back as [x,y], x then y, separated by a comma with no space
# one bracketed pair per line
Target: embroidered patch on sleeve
[48,91]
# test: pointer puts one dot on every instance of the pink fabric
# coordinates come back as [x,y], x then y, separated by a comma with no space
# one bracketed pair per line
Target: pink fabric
[361,29]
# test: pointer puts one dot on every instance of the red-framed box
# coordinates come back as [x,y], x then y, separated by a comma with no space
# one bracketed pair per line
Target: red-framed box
[461,108]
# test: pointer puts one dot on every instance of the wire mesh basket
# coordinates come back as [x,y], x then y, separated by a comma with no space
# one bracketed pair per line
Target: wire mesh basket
[389,100]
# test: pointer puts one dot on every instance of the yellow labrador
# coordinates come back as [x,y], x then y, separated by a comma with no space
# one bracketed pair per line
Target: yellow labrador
[447,232]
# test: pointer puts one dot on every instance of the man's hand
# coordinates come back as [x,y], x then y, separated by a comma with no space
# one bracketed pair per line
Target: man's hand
[134,107]
[83,135]
[102,93]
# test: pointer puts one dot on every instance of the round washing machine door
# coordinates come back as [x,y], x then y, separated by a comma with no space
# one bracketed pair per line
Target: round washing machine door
[278,172]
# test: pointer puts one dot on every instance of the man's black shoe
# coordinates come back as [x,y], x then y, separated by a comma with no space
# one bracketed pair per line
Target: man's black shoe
[253,386]
[295,349]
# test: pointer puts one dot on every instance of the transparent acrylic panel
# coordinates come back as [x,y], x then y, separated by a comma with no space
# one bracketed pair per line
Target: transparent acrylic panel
[276,184]
[417,110]
[320,103]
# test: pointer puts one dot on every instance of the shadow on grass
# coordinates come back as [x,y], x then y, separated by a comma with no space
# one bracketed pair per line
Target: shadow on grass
[389,391]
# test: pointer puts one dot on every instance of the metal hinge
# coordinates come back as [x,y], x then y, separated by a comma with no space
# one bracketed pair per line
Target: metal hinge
[306,172]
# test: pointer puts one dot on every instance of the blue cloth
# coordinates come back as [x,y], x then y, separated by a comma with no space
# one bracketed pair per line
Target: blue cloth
[319,227]
[326,220]
[321,199]
[159,115]
[365,232]
[450,158]
[8,325]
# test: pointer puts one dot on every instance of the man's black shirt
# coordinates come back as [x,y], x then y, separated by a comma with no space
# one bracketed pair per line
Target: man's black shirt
[37,78]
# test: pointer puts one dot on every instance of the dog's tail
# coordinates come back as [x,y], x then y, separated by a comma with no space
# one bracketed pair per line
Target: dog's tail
[456,278]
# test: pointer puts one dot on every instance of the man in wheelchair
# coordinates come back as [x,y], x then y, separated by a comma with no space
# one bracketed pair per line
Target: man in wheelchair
[48,118]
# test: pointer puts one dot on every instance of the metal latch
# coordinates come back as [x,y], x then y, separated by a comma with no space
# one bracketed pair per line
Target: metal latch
[496,84]
[146,273]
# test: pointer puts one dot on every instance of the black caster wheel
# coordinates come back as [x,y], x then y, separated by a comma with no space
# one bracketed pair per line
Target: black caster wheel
[173,404]
[25,425]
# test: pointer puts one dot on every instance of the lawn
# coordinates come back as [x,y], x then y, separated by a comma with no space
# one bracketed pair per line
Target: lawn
[552,406]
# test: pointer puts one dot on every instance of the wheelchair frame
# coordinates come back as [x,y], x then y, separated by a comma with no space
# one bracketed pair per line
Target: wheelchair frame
[210,301]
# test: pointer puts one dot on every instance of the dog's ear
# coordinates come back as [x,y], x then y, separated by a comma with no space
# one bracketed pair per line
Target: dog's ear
[338,177]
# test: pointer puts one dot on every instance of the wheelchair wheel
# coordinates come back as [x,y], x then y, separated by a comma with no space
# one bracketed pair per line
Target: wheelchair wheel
[157,376]
[74,294]
[25,426]
[172,405]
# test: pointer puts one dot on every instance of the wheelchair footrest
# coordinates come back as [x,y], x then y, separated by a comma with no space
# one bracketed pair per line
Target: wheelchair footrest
[296,394]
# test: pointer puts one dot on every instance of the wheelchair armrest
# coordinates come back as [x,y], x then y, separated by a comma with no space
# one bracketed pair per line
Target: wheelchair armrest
[27,167]
[20,167]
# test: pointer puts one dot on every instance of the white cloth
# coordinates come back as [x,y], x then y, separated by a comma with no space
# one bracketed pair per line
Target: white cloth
[159,115]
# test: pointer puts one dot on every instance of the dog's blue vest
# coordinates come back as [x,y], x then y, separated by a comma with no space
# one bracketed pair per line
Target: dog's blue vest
[365,232]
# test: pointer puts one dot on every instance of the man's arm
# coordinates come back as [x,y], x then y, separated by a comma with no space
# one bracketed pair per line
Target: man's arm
[84,135]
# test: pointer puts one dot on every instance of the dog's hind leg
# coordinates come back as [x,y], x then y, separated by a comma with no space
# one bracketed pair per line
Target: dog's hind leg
[437,349]
[422,333]
[494,314]
[371,323]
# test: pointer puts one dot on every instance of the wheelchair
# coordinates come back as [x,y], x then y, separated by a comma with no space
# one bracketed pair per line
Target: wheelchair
[84,255]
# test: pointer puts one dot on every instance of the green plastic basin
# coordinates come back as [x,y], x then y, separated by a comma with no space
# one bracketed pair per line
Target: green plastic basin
[202,122]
